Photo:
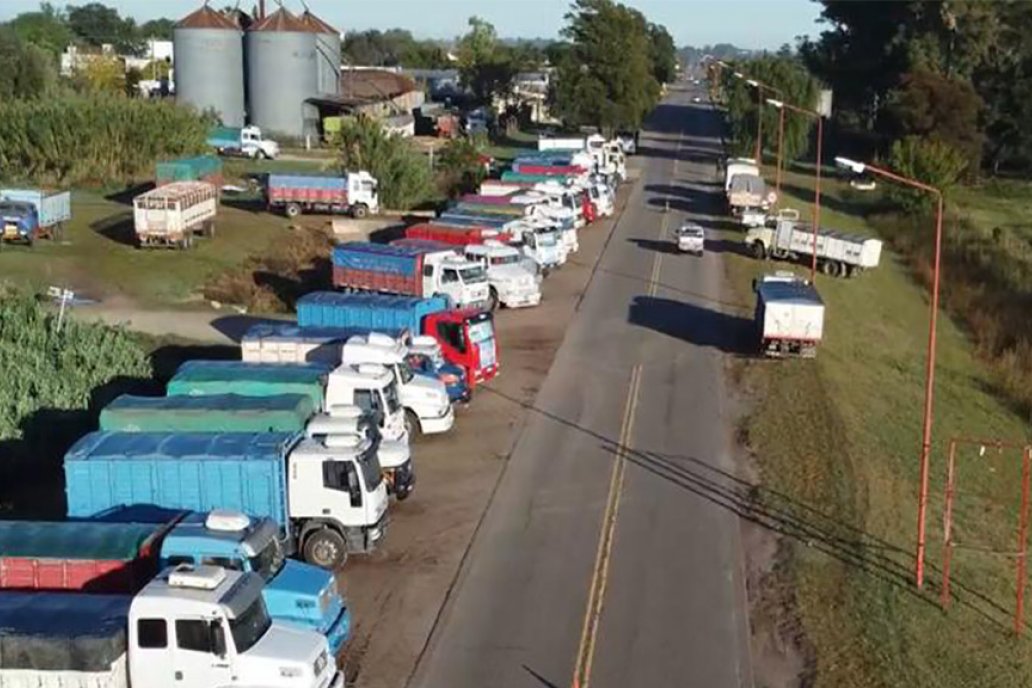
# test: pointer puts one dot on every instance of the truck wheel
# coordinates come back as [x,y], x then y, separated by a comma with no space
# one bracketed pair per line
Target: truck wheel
[292,210]
[492,300]
[412,426]
[359,211]
[326,549]
[758,250]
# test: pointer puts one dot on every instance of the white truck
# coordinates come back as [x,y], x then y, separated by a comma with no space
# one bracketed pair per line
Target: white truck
[372,388]
[172,214]
[540,244]
[789,316]
[736,166]
[247,142]
[513,283]
[838,253]
[563,144]
[203,627]
[428,409]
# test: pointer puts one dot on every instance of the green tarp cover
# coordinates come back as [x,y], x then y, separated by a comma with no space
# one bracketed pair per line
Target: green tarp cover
[188,169]
[207,378]
[217,413]
[73,540]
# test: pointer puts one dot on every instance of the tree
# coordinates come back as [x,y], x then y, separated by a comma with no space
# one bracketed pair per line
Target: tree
[26,70]
[933,162]
[605,78]
[102,74]
[158,29]
[404,175]
[461,166]
[663,54]
[486,67]
[391,48]
[96,24]
[46,28]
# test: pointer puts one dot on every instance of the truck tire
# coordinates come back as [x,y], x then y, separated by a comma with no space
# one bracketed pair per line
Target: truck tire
[359,211]
[412,426]
[841,270]
[326,549]
[759,251]
[292,210]
[492,300]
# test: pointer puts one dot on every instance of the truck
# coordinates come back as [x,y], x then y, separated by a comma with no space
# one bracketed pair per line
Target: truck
[748,191]
[288,343]
[201,168]
[247,142]
[207,378]
[202,626]
[328,498]
[355,193]
[122,556]
[466,336]
[173,214]
[513,283]
[409,271]
[789,317]
[736,166]
[456,236]
[547,168]
[30,214]
[561,144]
[839,254]
[225,412]
[424,399]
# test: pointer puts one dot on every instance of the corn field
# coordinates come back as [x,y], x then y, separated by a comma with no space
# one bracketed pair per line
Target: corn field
[53,379]
[103,140]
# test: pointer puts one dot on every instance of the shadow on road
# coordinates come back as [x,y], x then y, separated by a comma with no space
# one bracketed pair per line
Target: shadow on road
[735,247]
[792,518]
[667,247]
[679,205]
[691,323]
[117,228]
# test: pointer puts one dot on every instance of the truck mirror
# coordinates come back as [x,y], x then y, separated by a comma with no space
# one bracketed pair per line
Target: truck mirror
[218,638]
[755,284]
[354,489]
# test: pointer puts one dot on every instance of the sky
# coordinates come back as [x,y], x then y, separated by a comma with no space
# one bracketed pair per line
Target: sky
[770,24]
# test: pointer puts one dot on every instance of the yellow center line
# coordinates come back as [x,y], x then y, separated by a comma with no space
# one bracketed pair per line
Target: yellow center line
[600,574]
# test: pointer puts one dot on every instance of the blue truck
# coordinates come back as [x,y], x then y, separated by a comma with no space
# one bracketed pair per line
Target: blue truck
[327,499]
[30,214]
[123,548]
[289,343]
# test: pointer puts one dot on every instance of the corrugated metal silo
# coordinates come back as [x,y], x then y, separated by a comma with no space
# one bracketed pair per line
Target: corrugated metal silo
[327,53]
[209,69]
[282,75]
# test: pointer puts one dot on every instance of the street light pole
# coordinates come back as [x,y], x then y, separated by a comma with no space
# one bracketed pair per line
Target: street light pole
[933,319]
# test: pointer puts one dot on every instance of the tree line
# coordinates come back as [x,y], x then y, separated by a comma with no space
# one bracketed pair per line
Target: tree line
[91,25]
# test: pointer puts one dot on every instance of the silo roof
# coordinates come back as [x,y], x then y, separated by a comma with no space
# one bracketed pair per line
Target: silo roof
[282,20]
[317,25]
[206,18]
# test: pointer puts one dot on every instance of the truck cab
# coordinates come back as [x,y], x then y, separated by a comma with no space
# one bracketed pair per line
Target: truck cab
[247,142]
[19,221]
[513,284]
[338,498]
[296,593]
[425,399]
[207,627]
[363,193]
[467,336]
[462,281]
[394,456]
[541,244]
[372,388]
[425,356]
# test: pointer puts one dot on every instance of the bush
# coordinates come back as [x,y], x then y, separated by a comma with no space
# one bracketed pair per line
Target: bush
[53,379]
[932,162]
[404,175]
[461,168]
[96,139]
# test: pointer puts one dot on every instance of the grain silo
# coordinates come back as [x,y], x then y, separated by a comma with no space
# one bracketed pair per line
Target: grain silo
[282,75]
[209,67]
[327,53]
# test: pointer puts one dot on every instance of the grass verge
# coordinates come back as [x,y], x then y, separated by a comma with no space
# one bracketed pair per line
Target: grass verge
[836,442]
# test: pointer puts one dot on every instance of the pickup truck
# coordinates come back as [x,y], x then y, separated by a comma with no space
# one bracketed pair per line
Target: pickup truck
[30,214]
[247,142]
[205,624]
[466,336]
[124,550]
[355,193]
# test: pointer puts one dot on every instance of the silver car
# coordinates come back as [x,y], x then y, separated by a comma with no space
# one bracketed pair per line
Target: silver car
[691,238]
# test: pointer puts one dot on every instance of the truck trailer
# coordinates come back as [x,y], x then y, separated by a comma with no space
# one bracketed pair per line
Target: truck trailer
[171,215]
[216,413]
[789,316]
[207,378]
[839,254]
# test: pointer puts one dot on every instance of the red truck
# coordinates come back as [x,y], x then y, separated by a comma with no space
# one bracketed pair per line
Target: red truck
[456,236]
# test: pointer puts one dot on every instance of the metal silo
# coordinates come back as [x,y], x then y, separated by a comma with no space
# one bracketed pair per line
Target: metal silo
[327,53]
[209,65]
[282,76]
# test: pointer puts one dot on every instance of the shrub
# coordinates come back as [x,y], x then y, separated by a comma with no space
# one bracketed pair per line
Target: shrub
[404,175]
[933,162]
[461,169]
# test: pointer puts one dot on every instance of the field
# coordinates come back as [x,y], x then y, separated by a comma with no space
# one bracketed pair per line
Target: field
[836,443]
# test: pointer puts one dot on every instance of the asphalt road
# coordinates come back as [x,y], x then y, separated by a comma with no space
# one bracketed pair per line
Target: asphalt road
[605,557]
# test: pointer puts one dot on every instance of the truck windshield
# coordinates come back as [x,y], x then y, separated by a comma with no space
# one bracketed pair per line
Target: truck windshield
[369,464]
[547,239]
[249,627]
[481,331]
[15,208]
[405,373]
[390,397]
[510,259]
[268,562]
[473,275]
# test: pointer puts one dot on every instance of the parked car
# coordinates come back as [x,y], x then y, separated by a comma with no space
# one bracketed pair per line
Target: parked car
[691,238]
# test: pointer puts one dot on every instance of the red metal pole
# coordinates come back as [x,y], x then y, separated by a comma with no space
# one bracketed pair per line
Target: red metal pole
[759,123]
[781,143]
[926,435]
[947,526]
[817,197]
[1019,611]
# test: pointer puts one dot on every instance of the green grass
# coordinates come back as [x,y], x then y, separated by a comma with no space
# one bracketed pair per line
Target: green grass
[836,441]
[99,260]
[998,203]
